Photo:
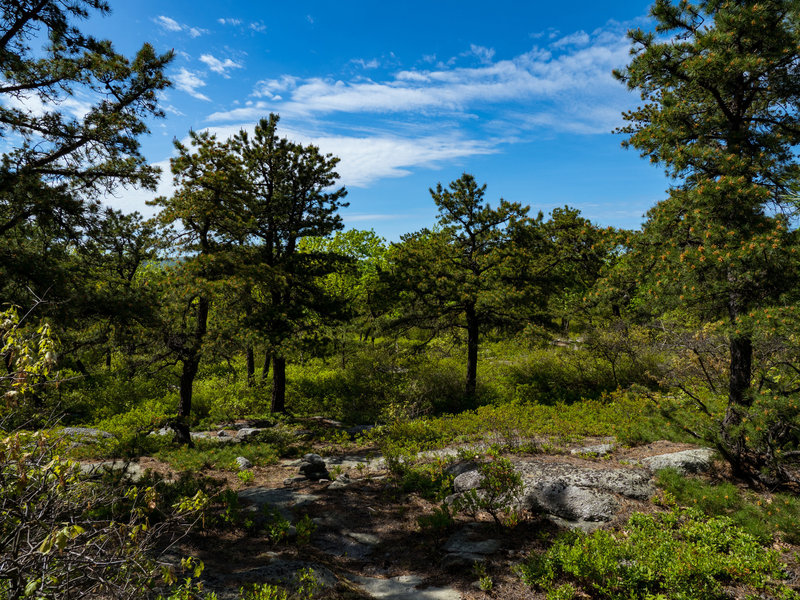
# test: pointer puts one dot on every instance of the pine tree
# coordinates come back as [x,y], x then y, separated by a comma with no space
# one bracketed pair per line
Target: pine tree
[720,85]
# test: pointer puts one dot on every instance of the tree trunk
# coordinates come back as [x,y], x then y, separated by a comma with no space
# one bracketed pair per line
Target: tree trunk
[251,366]
[188,373]
[265,366]
[191,358]
[278,384]
[472,350]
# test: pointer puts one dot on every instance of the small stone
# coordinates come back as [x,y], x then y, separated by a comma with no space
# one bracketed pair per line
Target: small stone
[342,481]
[598,450]
[222,433]
[243,463]
[470,480]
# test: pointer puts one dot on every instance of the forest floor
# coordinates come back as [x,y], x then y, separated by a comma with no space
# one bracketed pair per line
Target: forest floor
[369,541]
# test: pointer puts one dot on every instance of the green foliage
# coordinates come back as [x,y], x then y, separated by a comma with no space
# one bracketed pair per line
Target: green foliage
[29,354]
[499,493]
[764,516]
[54,524]
[451,277]
[428,479]
[305,528]
[714,115]
[215,455]
[680,554]
[438,522]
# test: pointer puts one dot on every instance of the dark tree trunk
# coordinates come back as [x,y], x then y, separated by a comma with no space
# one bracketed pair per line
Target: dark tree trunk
[741,348]
[191,358]
[188,373]
[251,366]
[279,384]
[472,350]
[265,366]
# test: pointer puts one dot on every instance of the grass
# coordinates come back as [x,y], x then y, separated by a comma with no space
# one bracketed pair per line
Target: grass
[211,455]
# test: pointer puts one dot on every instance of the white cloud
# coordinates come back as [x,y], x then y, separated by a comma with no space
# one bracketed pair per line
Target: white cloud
[366,159]
[373,63]
[169,24]
[561,74]
[234,22]
[129,199]
[189,82]
[483,54]
[219,66]
[579,38]
[258,26]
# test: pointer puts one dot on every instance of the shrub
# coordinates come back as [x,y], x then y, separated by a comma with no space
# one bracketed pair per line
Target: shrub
[680,554]
[64,537]
[761,516]
[499,493]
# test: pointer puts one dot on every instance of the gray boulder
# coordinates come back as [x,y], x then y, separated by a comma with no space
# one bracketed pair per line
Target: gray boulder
[687,461]
[571,502]
[469,480]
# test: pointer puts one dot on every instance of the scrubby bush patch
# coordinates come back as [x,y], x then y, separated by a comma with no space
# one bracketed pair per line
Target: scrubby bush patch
[680,554]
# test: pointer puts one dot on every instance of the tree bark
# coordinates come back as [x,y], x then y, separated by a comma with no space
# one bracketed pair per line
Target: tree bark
[251,366]
[191,358]
[472,350]
[265,366]
[278,384]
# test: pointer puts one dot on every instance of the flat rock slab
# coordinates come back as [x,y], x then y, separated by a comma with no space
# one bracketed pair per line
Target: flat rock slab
[633,483]
[130,470]
[346,545]
[687,461]
[282,499]
[86,434]
[404,588]
[346,462]
[596,450]
[471,539]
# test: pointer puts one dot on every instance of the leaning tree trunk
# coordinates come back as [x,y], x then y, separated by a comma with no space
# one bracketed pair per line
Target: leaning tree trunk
[278,384]
[472,350]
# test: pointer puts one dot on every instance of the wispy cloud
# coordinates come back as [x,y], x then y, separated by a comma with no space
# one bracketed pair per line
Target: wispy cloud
[564,79]
[391,123]
[190,82]
[372,63]
[258,26]
[229,21]
[170,24]
[219,66]
[365,159]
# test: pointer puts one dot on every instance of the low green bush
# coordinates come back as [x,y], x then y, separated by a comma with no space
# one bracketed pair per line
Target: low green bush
[763,517]
[678,555]
[499,493]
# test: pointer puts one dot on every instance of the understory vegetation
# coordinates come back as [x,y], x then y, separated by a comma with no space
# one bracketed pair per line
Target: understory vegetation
[244,303]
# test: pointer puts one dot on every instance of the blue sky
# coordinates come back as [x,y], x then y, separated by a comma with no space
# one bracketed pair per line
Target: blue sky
[410,94]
